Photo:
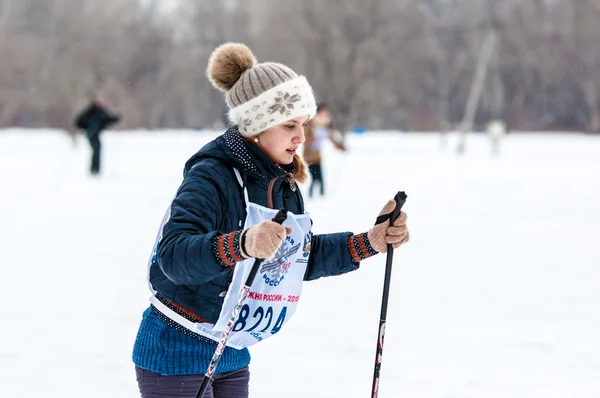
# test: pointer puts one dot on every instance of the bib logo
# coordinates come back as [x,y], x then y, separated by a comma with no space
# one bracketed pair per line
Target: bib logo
[274,271]
[306,248]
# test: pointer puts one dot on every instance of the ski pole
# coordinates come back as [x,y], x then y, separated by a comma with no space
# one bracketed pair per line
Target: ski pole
[400,199]
[280,217]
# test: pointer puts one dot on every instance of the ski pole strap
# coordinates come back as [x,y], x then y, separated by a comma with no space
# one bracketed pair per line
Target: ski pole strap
[383,218]
[400,199]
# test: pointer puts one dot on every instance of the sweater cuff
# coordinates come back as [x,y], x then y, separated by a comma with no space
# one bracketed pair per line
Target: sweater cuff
[360,247]
[226,249]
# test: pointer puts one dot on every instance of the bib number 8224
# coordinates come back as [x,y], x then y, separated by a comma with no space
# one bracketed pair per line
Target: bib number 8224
[256,321]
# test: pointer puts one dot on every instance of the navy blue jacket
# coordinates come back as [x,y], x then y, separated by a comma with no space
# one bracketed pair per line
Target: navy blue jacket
[210,202]
[94,119]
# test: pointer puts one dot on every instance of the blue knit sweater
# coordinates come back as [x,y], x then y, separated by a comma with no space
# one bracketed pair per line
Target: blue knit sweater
[163,349]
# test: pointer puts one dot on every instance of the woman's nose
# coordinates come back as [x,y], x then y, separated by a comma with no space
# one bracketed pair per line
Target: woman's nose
[300,138]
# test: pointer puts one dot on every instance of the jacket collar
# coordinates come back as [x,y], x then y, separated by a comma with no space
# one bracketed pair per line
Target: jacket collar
[251,158]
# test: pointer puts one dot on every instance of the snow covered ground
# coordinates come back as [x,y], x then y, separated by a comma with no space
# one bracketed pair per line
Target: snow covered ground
[497,294]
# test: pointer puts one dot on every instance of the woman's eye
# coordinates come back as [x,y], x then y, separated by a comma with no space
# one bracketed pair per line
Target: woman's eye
[290,126]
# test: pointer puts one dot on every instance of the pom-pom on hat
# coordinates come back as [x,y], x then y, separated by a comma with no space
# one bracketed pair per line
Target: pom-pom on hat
[259,95]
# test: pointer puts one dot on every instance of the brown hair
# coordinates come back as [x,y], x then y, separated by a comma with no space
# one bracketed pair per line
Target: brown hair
[301,174]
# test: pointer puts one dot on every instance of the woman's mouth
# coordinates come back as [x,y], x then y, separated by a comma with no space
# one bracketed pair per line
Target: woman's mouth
[291,151]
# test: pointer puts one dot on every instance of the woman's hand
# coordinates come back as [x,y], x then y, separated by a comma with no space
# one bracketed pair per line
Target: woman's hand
[382,234]
[263,239]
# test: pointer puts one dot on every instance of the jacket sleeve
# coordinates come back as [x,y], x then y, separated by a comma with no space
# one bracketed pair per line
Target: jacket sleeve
[184,252]
[112,119]
[82,118]
[105,119]
[329,255]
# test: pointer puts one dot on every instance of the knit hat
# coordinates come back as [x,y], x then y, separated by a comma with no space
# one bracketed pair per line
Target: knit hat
[259,96]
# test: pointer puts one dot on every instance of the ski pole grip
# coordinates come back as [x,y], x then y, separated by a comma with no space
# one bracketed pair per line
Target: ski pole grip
[400,199]
[281,216]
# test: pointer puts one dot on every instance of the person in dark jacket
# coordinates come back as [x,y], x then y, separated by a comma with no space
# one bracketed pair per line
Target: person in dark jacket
[94,119]
[220,221]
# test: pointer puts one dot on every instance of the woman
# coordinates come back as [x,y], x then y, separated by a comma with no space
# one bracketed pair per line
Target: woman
[219,222]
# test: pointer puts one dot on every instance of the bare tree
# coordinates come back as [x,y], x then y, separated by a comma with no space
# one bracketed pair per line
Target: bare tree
[487,50]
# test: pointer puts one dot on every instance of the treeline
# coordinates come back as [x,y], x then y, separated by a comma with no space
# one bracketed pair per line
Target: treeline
[383,64]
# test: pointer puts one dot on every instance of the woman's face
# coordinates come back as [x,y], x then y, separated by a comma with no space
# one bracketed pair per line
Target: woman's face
[281,142]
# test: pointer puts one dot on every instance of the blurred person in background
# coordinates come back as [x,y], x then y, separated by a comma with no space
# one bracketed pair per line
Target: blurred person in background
[496,130]
[317,132]
[220,221]
[93,120]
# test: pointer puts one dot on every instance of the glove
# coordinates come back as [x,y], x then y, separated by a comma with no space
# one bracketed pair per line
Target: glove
[263,239]
[381,234]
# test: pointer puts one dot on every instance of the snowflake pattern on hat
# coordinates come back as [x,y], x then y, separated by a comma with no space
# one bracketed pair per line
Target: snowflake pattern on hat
[284,102]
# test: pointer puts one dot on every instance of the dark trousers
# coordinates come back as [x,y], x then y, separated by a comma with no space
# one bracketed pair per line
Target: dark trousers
[94,140]
[224,385]
[317,178]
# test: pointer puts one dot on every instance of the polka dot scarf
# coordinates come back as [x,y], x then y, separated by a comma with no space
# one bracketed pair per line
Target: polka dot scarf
[235,143]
